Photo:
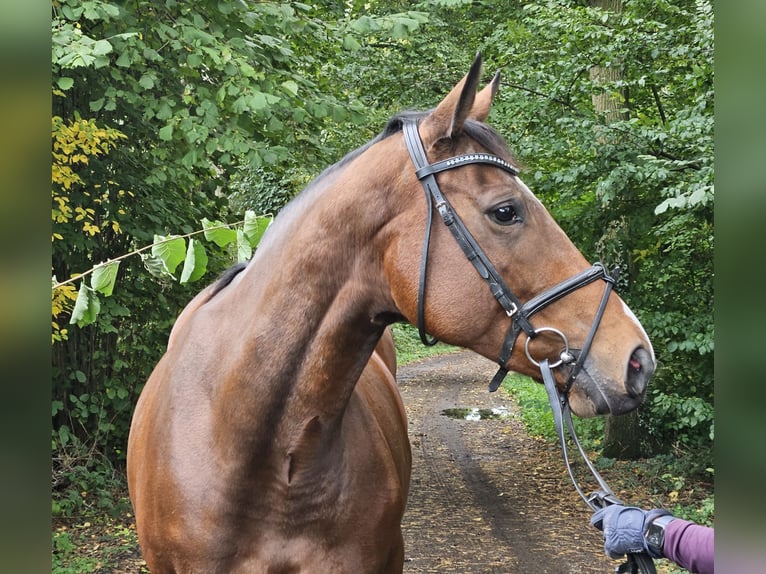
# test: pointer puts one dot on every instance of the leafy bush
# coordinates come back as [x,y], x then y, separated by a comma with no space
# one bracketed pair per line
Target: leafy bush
[85,481]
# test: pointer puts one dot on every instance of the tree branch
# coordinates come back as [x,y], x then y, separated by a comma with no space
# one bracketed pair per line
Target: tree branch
[657,101]
[541,94]
[141,250]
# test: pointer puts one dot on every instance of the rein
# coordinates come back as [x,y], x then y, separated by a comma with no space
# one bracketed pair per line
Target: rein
[638,562]
[518,313]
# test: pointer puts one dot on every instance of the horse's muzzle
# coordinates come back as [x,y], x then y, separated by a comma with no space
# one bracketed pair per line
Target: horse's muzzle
[593,395]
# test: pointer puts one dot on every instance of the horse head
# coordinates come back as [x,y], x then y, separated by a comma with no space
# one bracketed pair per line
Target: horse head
[544,300]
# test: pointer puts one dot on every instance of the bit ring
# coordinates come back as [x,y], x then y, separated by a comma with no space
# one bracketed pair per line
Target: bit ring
[564,357]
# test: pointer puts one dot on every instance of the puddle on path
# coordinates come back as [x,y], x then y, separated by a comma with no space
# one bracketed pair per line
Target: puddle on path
[477,414]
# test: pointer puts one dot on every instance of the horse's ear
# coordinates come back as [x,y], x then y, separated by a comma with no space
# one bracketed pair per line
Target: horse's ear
[447,120]
[484,99]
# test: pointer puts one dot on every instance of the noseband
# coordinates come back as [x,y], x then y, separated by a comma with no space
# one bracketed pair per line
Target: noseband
[518,312]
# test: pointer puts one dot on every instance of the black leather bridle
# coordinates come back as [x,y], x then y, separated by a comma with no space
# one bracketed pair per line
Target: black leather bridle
[518,312]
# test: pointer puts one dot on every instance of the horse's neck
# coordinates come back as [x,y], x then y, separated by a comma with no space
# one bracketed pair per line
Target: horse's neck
[308,303]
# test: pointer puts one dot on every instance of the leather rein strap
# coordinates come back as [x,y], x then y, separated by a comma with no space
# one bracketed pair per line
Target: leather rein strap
[636,563]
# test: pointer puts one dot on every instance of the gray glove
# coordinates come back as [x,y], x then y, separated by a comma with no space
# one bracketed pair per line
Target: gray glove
[624,528]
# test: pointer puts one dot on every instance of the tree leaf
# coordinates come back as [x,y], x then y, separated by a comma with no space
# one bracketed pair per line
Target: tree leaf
[124,60]
[195,264]
[171,250]
[155,266]
[101,48]
[221,236]
[165,112]
[86,307]
[700,195]
[350,43]
[104,277]
[255,226]
[258,101]
[289,85]
[146,82]
[244,251]
[65,83]
[166,133]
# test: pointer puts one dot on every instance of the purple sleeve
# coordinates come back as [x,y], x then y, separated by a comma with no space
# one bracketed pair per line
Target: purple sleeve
[689,545]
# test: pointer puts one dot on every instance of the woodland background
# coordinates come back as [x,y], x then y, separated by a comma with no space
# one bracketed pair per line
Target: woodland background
[170,117]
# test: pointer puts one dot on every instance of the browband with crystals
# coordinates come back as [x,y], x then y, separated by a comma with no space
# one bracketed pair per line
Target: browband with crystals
[459,160]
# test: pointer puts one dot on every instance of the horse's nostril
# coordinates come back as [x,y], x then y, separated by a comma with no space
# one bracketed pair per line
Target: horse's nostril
[639,371]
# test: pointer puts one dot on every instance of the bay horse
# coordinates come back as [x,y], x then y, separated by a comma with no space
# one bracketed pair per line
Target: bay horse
[271,437]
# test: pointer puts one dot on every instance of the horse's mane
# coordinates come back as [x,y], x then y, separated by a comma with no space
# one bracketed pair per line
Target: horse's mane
[480,132]
[483,134]
[225,278]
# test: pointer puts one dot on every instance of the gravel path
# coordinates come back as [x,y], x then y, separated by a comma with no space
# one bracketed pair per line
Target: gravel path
[485,497]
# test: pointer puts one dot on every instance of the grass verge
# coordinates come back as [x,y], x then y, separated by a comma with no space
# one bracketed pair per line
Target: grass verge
[671,480]
[410,348]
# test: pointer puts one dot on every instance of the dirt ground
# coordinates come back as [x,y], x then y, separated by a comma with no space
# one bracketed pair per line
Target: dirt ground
[486,498]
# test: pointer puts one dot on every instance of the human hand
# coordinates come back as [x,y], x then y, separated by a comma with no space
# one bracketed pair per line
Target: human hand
[624,528]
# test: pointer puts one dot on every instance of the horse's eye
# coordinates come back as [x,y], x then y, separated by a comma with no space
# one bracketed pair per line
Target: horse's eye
[505,215]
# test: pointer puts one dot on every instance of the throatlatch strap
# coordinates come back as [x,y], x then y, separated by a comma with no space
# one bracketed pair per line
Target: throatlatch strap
[422,281]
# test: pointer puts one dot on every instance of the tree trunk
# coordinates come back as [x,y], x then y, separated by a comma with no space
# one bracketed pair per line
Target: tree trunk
[609,104]
[622,438]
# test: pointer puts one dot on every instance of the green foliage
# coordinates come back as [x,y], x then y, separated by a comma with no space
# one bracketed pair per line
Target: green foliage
[703,513]
[104,276]
[63,547]
[92,547]
[635,191]
[535,410]
[84,481]
[167,253]
[409,347]
[537,416]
